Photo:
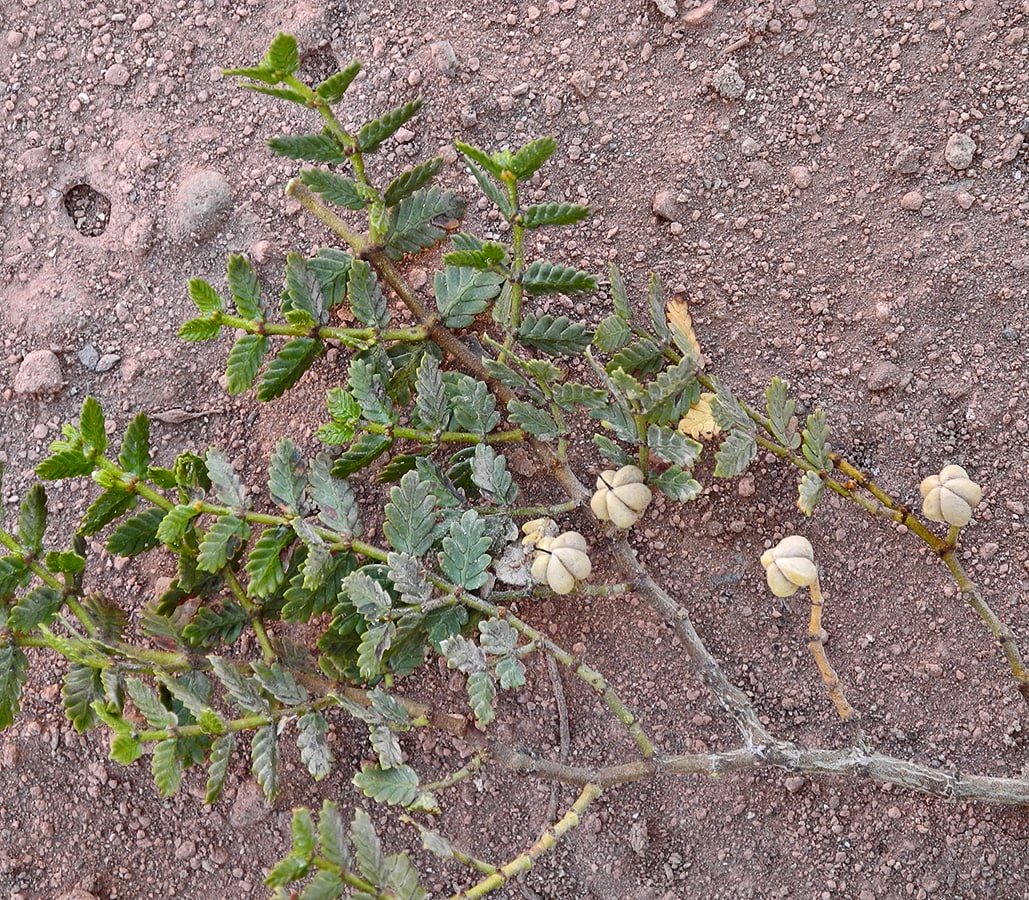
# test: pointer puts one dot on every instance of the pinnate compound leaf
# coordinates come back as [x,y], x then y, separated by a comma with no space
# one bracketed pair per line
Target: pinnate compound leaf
[134,454]
[221,542]
[335,86]
[82,686]
[481,694]
[386,746]
[32,520]
[286,481]
[405,571]
[241,690]
[367,595]
[264,760]
[497,637]
[816,447]
[403,877]
[371,862]
[463,654]
[205,297]
[166,767]
[536,421]
[244,286]
[175,524]
[92,425]
[373,133]
[430,395]
[397,786]
[736,452]
[483,255]
[282,56]
[677,484]
[655,300]
[809,492]
[366,386]
[65,464]
[556,335]
[544,277]
[321,147]
[420,221]
[490,475]
[497,195]
[542,214]
[105,509]
[475,407]
[145,700]
[218,768]
[313,744]
[670,383]
[374,643]
[362,453]
[672,447]
[125,748]
[288,869]
[337,189]
[14,667]
[410,525]
[612,334]
[728,413]
[780,409]
[332,836]
[642,357]
[244,362]
[337,506]
[279,683]
[463,293]
[138,534]
[37,607]
[510,672]
[325,885]
[333,270]
[286,369]
[530,157]
[225,483]
[611,451]
[464,559]
[410,180]
[367,301]
[480,158]
[264,565]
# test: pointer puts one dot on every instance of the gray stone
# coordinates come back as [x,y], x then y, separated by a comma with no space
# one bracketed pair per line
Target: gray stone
[107,362]
[444,58]
[666,206]
[728,82]
[89,356]
[39,375]
[908,160]
[199,204]
[884,376]
[960,151]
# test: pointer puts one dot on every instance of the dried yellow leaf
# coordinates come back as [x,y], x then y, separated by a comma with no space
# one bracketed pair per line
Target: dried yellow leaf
[685,335]
[699,422]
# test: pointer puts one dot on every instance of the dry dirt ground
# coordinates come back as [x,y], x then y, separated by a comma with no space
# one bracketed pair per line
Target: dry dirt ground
[797,155]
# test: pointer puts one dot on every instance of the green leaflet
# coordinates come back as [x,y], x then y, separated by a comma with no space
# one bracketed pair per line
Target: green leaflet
[14,667]
[417,221]
[286,481]
[92,426]
[397,786]
[264,760]
[313,744]
[530,157]
[166,767]
[481,696]
[410,180]
[105,509]
[264,565]
[244,286]
[37,607]
[244,362]
[809,492]
[410,524]
[373,133]
[536,421]
[65,464]
[221,754]
[612,334]
[464,559]
[544,277]
[32,519]
[321,147]
[367,301]
[134,455]
[677,484]
[556,335]
[463,293]
[363,452]
[337,506]
[735,454]
[221,543]
[337,189]
[137,534]
[430,398]
[542,214]
[335,86]
[286,369]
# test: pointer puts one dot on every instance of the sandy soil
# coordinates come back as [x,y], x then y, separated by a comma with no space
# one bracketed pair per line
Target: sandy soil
[809,207]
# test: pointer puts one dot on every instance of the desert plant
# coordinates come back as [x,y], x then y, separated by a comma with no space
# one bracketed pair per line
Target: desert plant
[428,407]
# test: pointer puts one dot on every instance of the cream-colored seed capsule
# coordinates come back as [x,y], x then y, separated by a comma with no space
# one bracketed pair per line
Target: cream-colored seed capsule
[950,496]
[621,497]
[789,565]
[561,562]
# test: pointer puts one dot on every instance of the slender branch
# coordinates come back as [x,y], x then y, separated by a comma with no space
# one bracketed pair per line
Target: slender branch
[445,437]
[355,337]
[466,859]
[816,644]
[267,651]
[460,775]
[523,862]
